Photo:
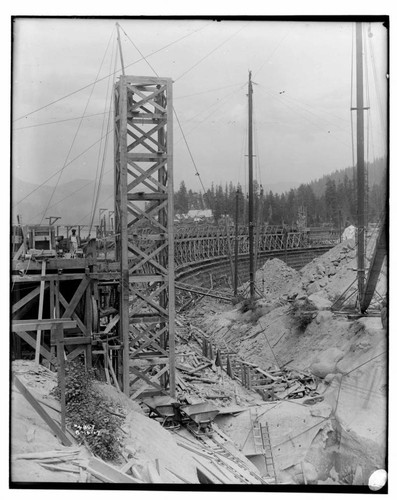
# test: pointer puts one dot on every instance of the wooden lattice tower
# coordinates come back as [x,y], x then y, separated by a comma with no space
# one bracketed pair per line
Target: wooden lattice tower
[144,200]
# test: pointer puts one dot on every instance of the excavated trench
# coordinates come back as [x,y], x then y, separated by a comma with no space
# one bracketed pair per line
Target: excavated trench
[338,437]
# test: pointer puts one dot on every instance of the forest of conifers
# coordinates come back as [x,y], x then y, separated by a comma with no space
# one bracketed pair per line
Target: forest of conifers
[329,200]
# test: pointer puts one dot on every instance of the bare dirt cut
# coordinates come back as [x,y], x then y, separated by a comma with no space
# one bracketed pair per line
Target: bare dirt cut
[342,439]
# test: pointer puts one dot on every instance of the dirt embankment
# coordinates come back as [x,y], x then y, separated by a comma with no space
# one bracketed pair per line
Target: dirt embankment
[342,439]
[144,440]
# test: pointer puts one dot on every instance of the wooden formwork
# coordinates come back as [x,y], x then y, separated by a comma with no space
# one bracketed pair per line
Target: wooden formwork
[54,294]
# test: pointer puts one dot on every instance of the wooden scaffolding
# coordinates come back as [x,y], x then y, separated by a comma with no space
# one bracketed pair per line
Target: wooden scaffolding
[144,198]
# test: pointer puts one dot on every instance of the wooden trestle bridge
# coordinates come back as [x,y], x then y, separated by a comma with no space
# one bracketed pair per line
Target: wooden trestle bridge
[114,303]
[82,294]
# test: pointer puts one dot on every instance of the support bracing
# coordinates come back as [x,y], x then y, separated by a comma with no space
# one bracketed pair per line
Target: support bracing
[144,233]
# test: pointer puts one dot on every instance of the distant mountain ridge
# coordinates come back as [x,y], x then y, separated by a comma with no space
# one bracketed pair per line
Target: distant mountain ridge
[376,175]
[71,201]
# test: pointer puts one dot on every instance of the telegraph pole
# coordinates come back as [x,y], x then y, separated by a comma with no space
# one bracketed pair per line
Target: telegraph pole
[250,192]
[360,165]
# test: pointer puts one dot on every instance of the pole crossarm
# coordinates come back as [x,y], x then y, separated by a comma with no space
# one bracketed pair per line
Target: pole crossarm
[144,231]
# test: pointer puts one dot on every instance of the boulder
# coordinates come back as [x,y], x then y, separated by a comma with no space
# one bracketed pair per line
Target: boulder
[326,362]
[310,473]
[313,288]
[320,302]
[323,317]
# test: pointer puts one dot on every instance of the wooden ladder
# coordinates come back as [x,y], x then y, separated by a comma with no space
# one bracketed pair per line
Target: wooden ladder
[256,432]
[264,429]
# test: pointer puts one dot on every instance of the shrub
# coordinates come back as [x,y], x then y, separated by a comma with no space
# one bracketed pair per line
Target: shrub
[303,313]
[87,413]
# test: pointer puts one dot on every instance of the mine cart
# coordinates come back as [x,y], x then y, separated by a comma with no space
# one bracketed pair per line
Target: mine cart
[199,417]
[164,409]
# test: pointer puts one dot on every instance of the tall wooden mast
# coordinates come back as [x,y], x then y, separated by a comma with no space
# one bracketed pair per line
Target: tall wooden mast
[360,165]
[250,192]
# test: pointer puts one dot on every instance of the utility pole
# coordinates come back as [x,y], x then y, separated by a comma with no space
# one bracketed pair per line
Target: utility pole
[121,52]
[360,165]
[236,246]
[250,193]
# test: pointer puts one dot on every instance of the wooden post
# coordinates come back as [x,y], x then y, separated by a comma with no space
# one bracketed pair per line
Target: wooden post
[168,142]
[236,246]
[123,227]
[40,316]
[88,322]
[229,250]
[360,166]
[251,194]
[248,377]
[52,311]
[58,337]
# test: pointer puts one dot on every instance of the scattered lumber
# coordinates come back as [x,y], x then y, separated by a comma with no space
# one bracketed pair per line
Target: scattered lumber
[178,476]
[38,455]
[57,468]
[152,473]
[108,474]
[56,429]
[200,367]
[267,374]
[195,378]
[126,467]
[210,473]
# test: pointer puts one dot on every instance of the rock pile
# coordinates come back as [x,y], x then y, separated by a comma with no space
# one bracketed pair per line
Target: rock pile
[275,278]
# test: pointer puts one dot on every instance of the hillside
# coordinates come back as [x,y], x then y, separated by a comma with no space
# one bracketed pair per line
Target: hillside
[346,356]
[376,175]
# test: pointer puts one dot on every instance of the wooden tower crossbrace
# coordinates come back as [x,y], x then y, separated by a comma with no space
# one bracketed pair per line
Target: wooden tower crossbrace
[144,233]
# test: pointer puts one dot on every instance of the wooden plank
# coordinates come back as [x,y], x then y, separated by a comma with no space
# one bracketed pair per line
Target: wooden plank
[19,252]
[199,368]
[44,324]
[267,374]
[108,473]
[213,476]
[57,335]
[43,414]
[111,369]
[34,278]
[39,455]
[76,340]
[126,467]
[149,381]
[41,304]
[80,324]
[76,297]
[25,300]
[32,342]
[178,476]
[113,322]
[76,352]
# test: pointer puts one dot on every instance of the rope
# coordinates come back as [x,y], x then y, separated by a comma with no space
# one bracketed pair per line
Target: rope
[108,76]
[175,113]
[95,198]
[210,53]
[55,173]
[77,130]
[58,121]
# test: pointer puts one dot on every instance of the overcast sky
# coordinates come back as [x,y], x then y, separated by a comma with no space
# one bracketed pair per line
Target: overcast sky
[302,95]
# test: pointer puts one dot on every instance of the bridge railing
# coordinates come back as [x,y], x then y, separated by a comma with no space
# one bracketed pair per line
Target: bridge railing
[200,242]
